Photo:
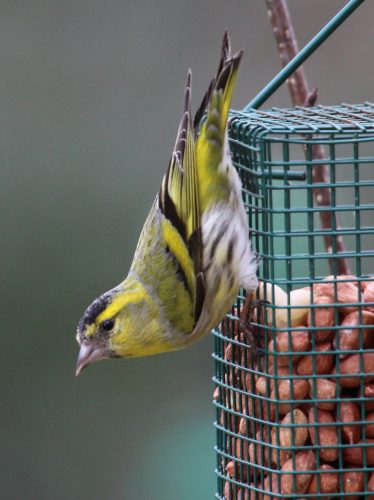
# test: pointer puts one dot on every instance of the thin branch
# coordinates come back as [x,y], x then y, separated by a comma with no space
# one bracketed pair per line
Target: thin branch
[301,96]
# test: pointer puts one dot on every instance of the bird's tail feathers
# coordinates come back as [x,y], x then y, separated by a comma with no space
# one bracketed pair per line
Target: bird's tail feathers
[186,120]
[224,80]
[212,131]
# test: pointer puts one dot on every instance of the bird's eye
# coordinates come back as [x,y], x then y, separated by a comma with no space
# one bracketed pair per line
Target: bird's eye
[107,325]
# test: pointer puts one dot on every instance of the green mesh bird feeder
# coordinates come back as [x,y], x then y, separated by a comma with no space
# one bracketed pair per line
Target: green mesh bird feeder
[294,378]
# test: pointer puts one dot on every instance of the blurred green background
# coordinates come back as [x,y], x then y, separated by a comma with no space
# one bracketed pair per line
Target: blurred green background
[91,94]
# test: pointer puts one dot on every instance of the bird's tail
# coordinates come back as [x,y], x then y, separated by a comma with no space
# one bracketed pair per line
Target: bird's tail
[216,103]
[211,132]
[223,80]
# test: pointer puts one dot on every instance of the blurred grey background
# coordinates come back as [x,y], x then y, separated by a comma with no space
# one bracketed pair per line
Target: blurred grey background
[91,95]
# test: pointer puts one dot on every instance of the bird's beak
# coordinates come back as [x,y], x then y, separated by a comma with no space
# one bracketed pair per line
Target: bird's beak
[88,354]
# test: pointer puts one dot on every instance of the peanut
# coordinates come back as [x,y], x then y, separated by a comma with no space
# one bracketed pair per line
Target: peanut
[298,483]
[249,404]
[289,434]
[323,362]
[325,436]
[260,451]
[323,389]
[341,292]
[232,400]
[295,389]
[230,468]
[369,426]
[299,300]
[244,426]
[352,366]
[216,394]
[289,343]
[328,482]
[268,411]
[236,470]
[278,455]
[349,338]
[228,490]
[265,384]
[321,317]
[243,494]
[241,448]
[353,482]
[355,454]
[271,484]
[364,284]
[371,484]
[368,296]
[349,414]
[368,395]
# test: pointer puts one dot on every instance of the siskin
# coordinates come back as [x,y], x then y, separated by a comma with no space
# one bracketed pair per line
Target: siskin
[194,251]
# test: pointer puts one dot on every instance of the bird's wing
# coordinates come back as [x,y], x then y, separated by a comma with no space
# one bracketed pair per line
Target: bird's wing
[178,200]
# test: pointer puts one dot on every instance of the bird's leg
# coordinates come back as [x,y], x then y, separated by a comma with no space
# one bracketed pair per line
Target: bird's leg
[251,306]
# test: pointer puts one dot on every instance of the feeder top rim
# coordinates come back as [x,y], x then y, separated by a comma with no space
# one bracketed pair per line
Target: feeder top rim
[344,118]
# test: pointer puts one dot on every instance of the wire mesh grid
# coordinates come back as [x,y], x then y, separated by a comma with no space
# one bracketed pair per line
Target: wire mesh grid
[295,406]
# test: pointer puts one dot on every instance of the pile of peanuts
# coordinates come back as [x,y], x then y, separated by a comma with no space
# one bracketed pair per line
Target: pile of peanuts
[305,401]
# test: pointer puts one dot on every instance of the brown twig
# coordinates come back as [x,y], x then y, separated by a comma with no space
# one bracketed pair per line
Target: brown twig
[301,96]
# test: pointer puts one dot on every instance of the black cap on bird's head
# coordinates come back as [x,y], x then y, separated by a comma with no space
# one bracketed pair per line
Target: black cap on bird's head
[92,312]
[93,337]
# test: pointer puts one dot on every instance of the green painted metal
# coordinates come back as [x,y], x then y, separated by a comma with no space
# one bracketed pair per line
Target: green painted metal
[306,52]
[273,154]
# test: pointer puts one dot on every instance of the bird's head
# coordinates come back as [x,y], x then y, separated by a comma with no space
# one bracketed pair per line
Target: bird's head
[99,324]
[124,322]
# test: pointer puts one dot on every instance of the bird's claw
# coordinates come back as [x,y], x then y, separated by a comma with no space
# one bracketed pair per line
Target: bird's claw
[251,310]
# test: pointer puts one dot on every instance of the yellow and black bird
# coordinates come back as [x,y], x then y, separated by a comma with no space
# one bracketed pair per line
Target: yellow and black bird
[194,251]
